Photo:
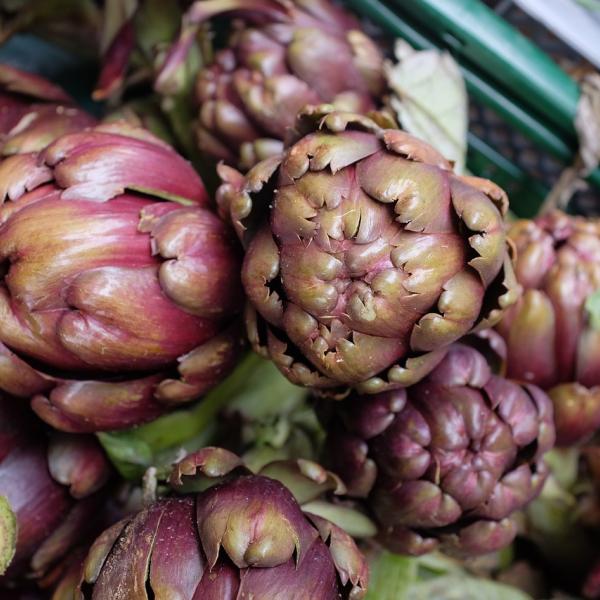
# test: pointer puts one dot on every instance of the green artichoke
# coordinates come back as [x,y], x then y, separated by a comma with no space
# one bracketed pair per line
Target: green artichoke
[282,56]
[444,463]
[119,285]
[553,332]
[49,493]
[365,255]
[241,536]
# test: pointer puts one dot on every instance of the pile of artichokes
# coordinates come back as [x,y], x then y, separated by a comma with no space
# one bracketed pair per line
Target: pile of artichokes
[437,350]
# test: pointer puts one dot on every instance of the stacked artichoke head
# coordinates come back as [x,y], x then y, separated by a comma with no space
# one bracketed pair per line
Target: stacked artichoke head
[445,462]
[119,285]
[553,332]
[366,257]
[243,535]
[366,260]
[283,56]
[370,269]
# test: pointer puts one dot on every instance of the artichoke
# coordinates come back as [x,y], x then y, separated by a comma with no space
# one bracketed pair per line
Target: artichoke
[445,462]
[119,286]
[283,56]
[242,536]
[553,332]
[34,112]
[49,492]
[366,256]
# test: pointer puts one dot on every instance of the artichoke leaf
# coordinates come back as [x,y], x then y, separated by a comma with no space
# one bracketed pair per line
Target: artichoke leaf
[8,534]
[430,100]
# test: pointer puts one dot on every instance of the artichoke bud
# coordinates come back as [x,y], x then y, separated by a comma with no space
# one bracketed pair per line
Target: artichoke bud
[447,462]
[366,256]
[244,536]
[552,333]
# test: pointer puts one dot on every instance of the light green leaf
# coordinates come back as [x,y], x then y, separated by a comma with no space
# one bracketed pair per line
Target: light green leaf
[8,534]
[131,456]
[592,308]
[156,23]
[352,521]
[564,465]
[457,587]
[430,99]
[392,575]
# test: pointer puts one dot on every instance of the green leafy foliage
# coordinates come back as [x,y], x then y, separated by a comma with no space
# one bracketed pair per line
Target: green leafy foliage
[431,577]
[592,308]
[8,534]
[255,389]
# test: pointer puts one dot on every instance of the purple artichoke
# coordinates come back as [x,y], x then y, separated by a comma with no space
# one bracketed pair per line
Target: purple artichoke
[118,283]
[283,56]
[366,256]
[49,492]
[243,536]
[444,463]
[553,332]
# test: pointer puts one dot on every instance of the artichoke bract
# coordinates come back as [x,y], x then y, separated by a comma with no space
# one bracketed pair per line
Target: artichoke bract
[118,282]
[365,255]
[444,463]
[283,56]
[243,536]
[34,112]
[553,332]
[50,492]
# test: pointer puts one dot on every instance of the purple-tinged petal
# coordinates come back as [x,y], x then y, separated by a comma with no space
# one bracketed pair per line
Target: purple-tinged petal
[18,378]
[98,166]
[316,579]
[100,550]
[78,462]
[256,521]
[115,62]
[85,406]
[177,563]
[28,84]
[74,527]
[211,462]
[531,357]
[351,565]
[38,502]
[482,537]
[125,573]
[222,582]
